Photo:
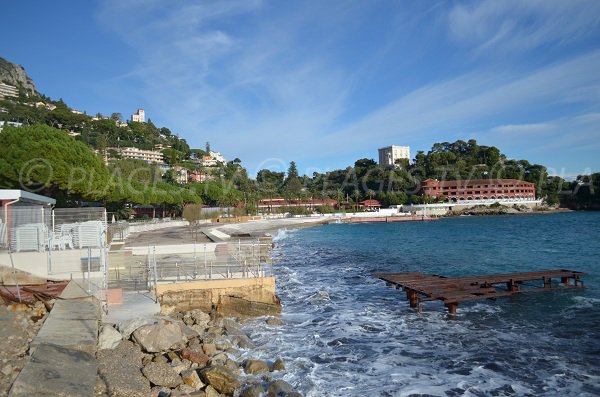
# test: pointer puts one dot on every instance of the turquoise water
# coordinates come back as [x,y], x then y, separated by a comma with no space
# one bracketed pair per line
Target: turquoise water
[347,334]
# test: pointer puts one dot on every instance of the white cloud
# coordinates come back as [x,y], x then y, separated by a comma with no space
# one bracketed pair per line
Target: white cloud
[522,25]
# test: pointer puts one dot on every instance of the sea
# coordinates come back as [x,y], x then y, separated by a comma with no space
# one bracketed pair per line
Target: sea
[345,333]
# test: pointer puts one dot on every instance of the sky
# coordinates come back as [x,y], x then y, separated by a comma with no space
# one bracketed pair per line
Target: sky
[324,83]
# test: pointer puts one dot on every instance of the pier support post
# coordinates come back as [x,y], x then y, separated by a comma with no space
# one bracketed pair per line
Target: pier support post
[412,297]
[452,308]
[511,286]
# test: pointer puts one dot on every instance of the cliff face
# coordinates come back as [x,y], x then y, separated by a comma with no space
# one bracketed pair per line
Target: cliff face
[15,75]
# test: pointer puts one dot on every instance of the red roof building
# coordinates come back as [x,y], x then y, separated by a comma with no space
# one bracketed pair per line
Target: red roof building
[478,189]
[370,204]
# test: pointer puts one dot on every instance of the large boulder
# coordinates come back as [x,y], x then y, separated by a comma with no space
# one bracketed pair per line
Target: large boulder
[120,368]
[154,338]
[220,378]
[109,338]
[255,367]
[127,327]
[279,388]
[254,390]
[161,374]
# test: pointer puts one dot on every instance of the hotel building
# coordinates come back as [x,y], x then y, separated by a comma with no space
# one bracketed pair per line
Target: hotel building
[479,189]
[149,156]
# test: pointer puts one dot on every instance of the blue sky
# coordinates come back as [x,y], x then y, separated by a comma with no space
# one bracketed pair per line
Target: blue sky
[327,82]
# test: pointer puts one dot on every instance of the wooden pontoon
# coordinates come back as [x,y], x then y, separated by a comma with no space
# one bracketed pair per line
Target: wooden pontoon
[422,287]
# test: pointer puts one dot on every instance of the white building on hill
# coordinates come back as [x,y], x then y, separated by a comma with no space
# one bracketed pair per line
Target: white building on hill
[139,116]
[389,154]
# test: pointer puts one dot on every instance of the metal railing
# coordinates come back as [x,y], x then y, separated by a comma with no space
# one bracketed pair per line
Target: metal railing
[232,260]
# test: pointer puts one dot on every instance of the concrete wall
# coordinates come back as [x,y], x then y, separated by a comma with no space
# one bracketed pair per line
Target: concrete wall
[250,296]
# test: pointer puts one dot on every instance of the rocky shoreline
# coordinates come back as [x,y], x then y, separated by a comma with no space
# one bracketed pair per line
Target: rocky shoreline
[187,354]
[19,324]
[503,210]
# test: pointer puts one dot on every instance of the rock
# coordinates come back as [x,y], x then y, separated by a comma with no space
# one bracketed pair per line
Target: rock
[274,321]
[278,365]
[199,328]
[185,389]
[279,388]
[218,359]
[199,317]
[232,366]
[188,332]
[190,377]
[232,327]
[127,327]
[120,370]
[243,342]
[214,330]
[180,366]
[7,370]
[159,358]
[159,337]
[211,392]
[194,356]
[160,391]
[162,374]
[109,338]
[220,378]
[255,390]
[209,349]
[255,367]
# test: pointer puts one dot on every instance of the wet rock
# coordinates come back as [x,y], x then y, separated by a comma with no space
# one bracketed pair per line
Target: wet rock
[190,377]
[127,327]
[120,370]
[194,356]
[209,349]
[279,388]
[159,337]
[232,366]
[278,365]
[255,367]
[161,374]
[242,341]
[220,378]
[255,390]
[232,327]
[274,321]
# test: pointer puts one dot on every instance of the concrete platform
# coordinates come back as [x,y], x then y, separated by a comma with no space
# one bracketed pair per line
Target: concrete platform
[63,362]
[56,371]
[135,304]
